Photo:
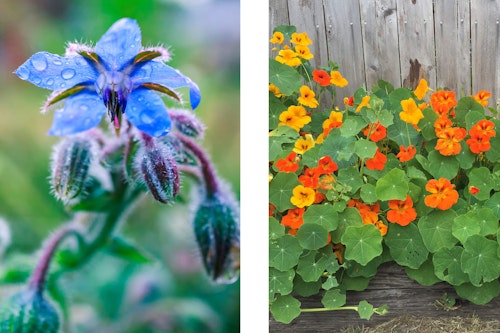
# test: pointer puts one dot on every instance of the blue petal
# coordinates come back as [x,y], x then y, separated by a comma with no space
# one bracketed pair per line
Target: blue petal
[146,111]
[160,73]
[51,71]
[81,112]
[120,44]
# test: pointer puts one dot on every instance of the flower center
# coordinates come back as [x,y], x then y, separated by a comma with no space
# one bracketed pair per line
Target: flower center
[114,88]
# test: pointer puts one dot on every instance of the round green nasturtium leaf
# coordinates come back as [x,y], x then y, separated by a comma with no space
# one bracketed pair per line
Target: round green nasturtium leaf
[465,106]
[399,130]
[365,310]
[284,252]
[363,243]
[280,282]
[465,158]
[277,138]
[305,289]
[414,173]
[352,126]
[281,188]
[480,260]
[392,186]
[354,283]
[333,299]
[312,156]
[472,117]
[365,148]
[276,107]
[435,229]
[312,236]
[276,229]
[448,266]
[312,266]
[339,148]
[481,178]
[350,177]
[323,215]
[330,282]
[286,78]
[424,275]
[369,270]
[442,166]
[493,154]
[427,124]
[493,203]
[349,217]
[368,194]
[464,226]
[285,309]
[406,246]
[487,221]
[479,295]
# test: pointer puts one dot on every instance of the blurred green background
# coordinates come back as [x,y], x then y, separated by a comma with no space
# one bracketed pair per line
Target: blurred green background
[109,294]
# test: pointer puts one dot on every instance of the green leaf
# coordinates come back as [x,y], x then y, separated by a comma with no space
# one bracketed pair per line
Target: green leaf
[465,226]
[333,299]
[352,126]
[479,295]
[276,229]
[365,310]
[424,275]
[442,166]
[305,289]
[311,266]
[16,268]
[276,107]
[435,229]
[286,78]
[465,106]
[124,249]
[280,190]
[280,282]
[350,177]
[481,178]
[365,148]
[330,282]
[286,30]
[399,131]
[392,186]
[368,193]
[312,156]
[480,260]
[349,217]
[494,204]
[427,124]
[323,215]
[406,246]
[278,137]
[284,252]
[493,154]
[396,96]
[448,267]
[465,158]
[363,243]
[285,309]
[339,148]
[312,236]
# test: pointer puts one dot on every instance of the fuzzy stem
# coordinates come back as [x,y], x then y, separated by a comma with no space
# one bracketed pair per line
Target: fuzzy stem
[211,183]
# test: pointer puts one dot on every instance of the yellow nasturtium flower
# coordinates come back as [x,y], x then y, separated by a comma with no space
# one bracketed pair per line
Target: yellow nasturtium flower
[411,114]
[303,144]
[278,38]
[275,90]
[300,39]
[421,89]
[307,97]
[337,79]
[302,196]
[288,57]
[295,117]
[364,102]
[303,52]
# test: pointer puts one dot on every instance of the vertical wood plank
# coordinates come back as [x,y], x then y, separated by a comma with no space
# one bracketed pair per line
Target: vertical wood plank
[345,44]
[307,16]
[278,14]
[452,33]
[485,36]
[416,42]
[380,41]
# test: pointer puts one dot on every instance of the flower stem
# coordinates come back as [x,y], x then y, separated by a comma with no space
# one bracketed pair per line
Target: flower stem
[355,308]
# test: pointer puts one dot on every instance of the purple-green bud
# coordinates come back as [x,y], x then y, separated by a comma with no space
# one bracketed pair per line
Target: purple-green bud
[28,312]
[71,160]
[187,123]
[216,227]
[159,172]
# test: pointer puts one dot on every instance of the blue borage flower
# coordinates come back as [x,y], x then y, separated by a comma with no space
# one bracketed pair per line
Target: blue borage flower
[117,75]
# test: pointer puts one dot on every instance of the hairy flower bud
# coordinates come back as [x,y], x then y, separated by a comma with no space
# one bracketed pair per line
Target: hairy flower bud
[216,227]
[159,172]
[187,123]
[71,160]
[28,312]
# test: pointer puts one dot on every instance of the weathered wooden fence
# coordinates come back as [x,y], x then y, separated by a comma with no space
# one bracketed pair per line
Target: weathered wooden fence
[453,44]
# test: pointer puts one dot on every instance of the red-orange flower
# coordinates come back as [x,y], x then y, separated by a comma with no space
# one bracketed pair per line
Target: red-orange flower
[442,101]
[402,211]
[293,218]
[377,162]
[473,190]
[349,101]
[482,97]
[326,165]
[309,178]
[289,163]
[478,144]
[321,77]
[483,128]
[406,154]
[442,123]
[377,131]
[449,141]
[443,194]
[381,227]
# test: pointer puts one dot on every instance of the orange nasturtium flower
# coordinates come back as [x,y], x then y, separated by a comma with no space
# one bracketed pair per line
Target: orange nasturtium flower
[406,154]
[442,101]
[483,128]
[482,97]
[478,144]
[326,165]
[337,79]
[473,190]
[421,89]
[289,163]
[295,117]
[441,124]
[443,194]
[302,196]
[364,102]
[303,144]
[275,90]
[334,121]
[321,77]
[448,142]
[411,114]
[401,211]
[303,52]
[278,38]
[288,57]
[381,227]
[377,131]
[293,218]
[307,97]
[377,162]
[300,39]
[310,178]
[349,101]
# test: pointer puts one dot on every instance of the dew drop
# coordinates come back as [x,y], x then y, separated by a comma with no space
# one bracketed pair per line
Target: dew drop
[146,118]
[39,62]
[57,62]
[36,80]
[84,108]
[49,82]
[68,73]
[23,73]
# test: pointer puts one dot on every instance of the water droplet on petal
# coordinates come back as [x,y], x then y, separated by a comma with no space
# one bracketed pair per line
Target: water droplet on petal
[62,85]
[23,73]
[84,108]
[68,73]
[57,62]
[146,118]
[36,80]
[49,82]
[39,62]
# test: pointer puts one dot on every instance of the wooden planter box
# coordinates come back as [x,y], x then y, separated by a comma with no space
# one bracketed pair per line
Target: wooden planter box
[393,287]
